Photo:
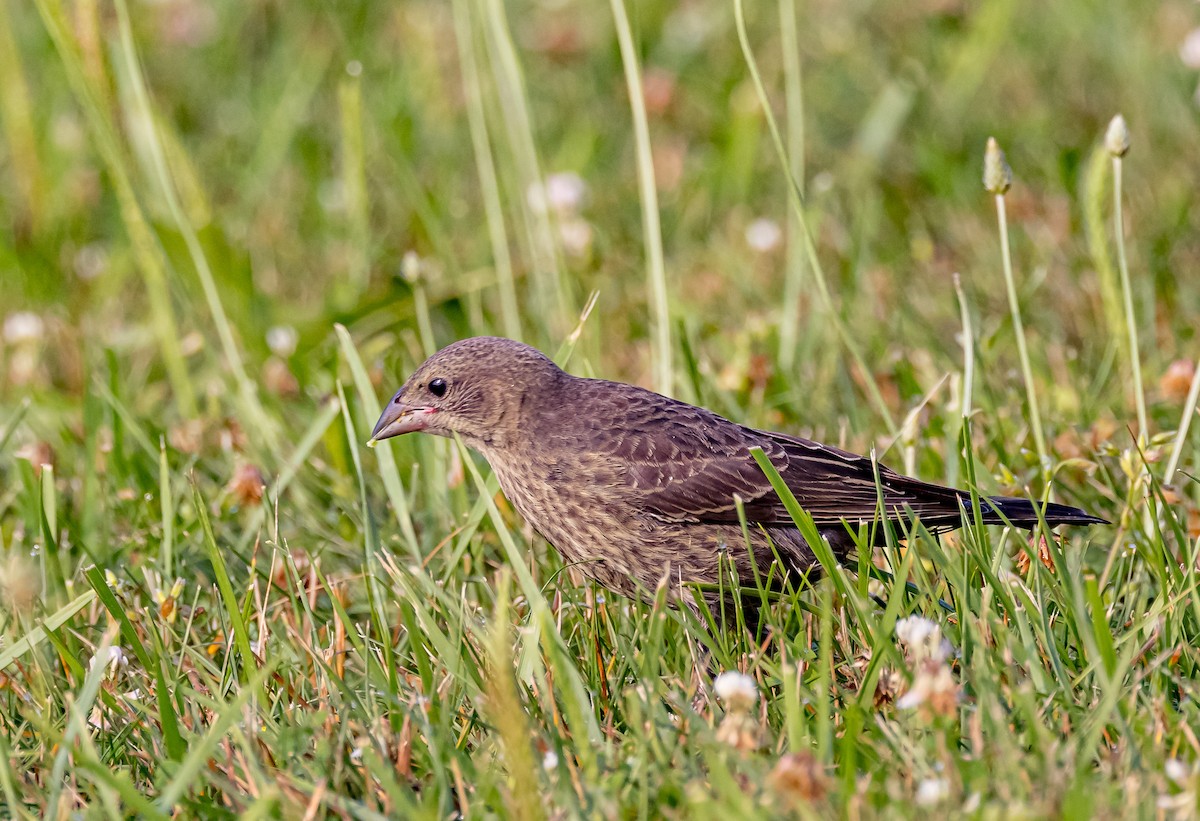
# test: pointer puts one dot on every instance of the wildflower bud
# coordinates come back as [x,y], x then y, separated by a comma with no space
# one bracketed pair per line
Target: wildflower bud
[997,175]
[410,267]
[1116,139]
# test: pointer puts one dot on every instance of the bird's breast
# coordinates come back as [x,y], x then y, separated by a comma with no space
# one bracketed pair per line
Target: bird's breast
[576,502]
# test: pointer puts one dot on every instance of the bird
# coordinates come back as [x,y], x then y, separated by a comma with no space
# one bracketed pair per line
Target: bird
[632,487]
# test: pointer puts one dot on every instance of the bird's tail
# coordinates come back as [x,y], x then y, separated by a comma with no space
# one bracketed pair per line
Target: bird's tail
[1024,513]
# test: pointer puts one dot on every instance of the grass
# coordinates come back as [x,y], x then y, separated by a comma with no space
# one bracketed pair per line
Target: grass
[229,233]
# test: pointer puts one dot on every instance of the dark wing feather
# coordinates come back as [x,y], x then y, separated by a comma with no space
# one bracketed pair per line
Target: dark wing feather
[684,463]
[835,485]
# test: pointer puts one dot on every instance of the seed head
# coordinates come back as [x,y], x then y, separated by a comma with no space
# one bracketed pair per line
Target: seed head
[410,267]
[1116,139]
[997,174]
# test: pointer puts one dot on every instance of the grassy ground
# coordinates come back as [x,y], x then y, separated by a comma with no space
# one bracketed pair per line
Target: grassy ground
[230,228]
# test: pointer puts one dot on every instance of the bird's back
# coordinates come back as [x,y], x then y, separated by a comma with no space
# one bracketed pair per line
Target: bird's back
[676,462]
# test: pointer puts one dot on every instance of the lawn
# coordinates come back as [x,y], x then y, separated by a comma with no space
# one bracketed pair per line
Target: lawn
[230,230]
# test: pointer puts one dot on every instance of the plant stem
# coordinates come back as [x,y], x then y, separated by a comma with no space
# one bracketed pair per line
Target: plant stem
[1189,410]
[796,196]
[793,284]
[1035,416]
[651,229]
[485,164]
[1135,356]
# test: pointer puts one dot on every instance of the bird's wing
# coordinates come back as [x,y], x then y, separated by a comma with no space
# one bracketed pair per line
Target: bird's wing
[684,463]
[835,485]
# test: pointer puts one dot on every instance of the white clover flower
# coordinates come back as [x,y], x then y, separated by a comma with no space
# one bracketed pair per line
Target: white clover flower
[550,761]
[764,235]
[737,690]
[282,340]
[90,261]
[932,791]
[1176,770]
[562,193]
[565,191]
[23,326]
[915,630]
[1189,50]
[923,639]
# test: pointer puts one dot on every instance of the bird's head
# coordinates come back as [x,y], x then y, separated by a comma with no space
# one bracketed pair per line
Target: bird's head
[477,388]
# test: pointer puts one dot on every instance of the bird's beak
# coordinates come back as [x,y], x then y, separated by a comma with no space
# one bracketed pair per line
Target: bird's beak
[399,418]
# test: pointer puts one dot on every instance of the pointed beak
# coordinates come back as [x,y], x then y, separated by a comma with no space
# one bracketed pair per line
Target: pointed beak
[399,418]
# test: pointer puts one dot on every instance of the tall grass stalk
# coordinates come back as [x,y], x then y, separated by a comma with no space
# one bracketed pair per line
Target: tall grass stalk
[413,271]
[485,165]
[1117,143]
[25,163]
[1185,421]
[1093,189]
[796,196]
[507,714]
[651,229]
[549,291]
[997,179]
[968,343]
[147,251]
[354,186]
[247,391]
[793,88]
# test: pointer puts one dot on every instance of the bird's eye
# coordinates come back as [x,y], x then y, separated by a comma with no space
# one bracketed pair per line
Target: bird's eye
[437,387]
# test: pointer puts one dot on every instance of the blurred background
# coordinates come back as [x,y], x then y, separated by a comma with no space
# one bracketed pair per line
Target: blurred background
[313,147]
[227,229]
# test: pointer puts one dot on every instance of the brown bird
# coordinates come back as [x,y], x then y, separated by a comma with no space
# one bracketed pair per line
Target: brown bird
[630,485]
